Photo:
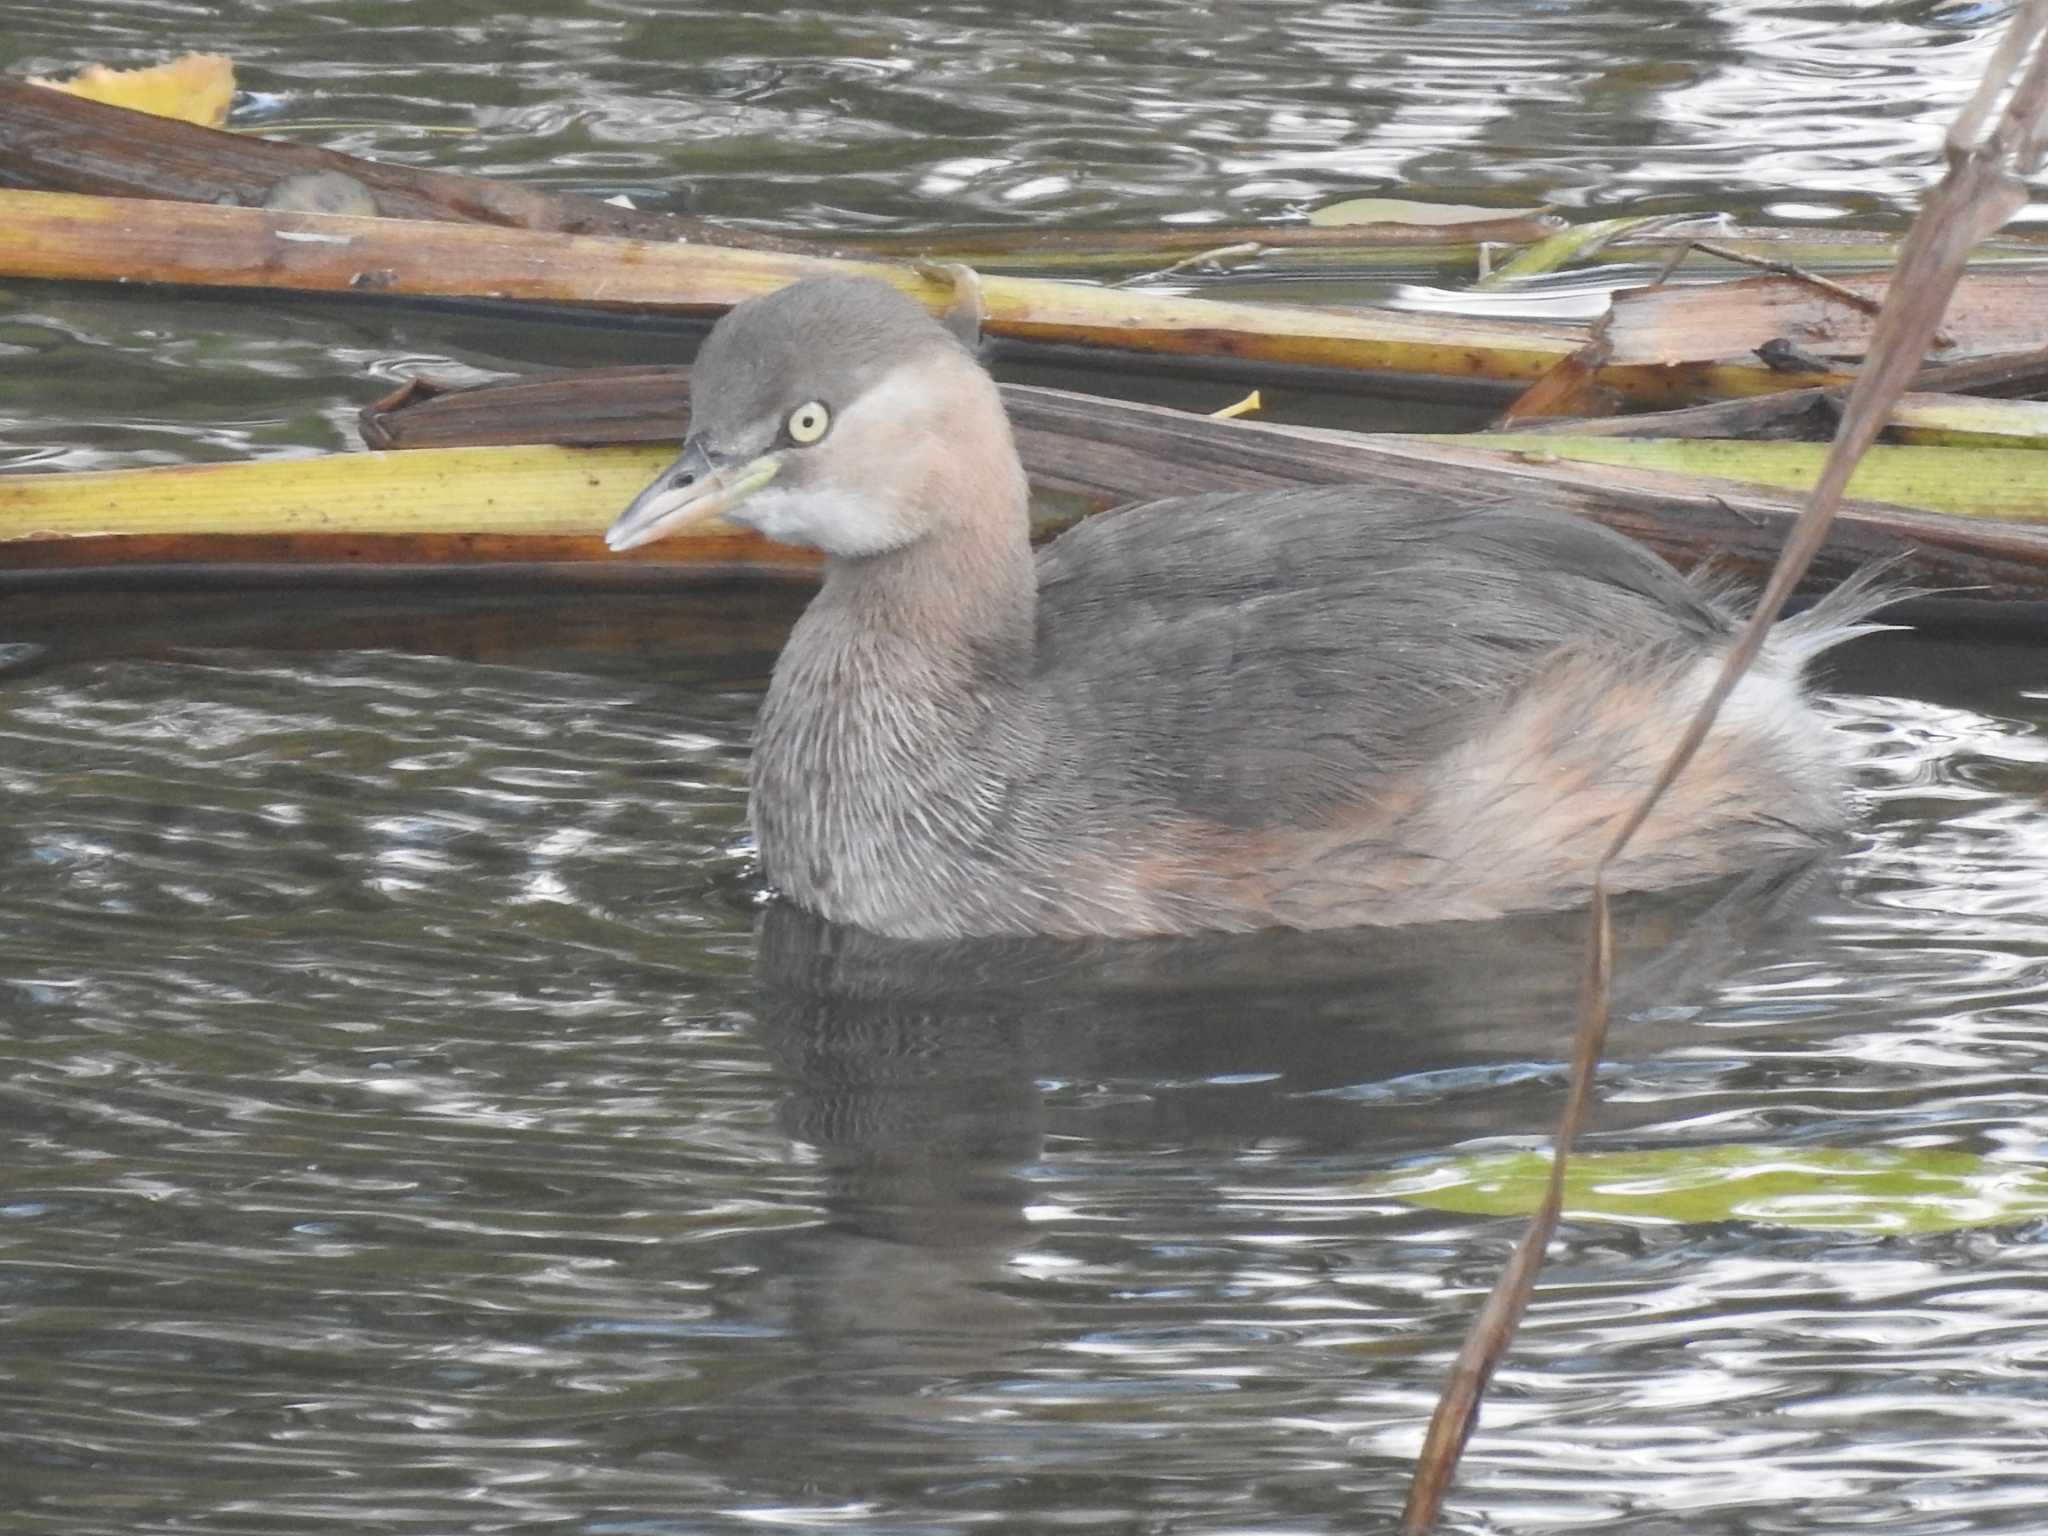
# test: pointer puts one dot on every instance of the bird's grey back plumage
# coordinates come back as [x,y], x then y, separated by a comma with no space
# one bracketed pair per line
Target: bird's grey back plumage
[1255,657]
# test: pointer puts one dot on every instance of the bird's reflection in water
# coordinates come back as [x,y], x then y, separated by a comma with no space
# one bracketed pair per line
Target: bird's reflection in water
[948,1089]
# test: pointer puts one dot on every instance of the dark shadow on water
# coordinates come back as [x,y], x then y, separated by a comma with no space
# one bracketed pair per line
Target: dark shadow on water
[955,1094]
[925,1074]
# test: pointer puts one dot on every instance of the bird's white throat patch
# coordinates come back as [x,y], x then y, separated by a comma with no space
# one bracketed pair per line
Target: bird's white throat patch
[839,520]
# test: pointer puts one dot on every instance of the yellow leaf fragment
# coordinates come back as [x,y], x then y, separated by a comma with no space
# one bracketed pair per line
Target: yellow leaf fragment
[1957,421]
[2000,483]
[1244,407]
[516,491]
[1581,242]
[1401,210]
[195,88]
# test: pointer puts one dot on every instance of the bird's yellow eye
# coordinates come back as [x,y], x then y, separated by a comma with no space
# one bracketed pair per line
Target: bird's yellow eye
[807,423]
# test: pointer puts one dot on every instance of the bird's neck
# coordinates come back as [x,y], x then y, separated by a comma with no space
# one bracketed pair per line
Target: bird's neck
[964,602]
[901,713]
[920,648]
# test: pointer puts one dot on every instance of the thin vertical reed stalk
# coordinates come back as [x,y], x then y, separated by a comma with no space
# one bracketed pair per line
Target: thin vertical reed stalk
[1981,190]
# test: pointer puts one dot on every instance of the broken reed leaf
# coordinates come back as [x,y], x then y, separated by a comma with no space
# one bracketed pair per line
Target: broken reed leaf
[1402,210]
[1245,407]
[534,491]
[1884,1191]
[1962,421]
[1960,406]
[1581,242]
[1994,481]
[461,509]
[1688,343]
[1796,415]
[1817,250]
[76,238]
[1674,324]
[196,88]
[1362,246]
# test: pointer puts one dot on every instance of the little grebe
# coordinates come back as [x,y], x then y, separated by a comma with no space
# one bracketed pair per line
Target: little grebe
[1277,708]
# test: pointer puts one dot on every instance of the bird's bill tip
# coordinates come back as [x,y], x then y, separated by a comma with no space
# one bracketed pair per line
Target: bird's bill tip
[690,491]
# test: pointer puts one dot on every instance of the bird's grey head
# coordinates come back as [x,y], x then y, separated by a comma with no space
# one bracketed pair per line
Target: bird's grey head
[818,415]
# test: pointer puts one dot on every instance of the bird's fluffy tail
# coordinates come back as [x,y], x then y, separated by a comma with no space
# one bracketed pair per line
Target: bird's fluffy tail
[1842,615]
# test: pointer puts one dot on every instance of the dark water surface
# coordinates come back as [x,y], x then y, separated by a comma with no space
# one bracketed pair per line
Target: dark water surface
[412,1121]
